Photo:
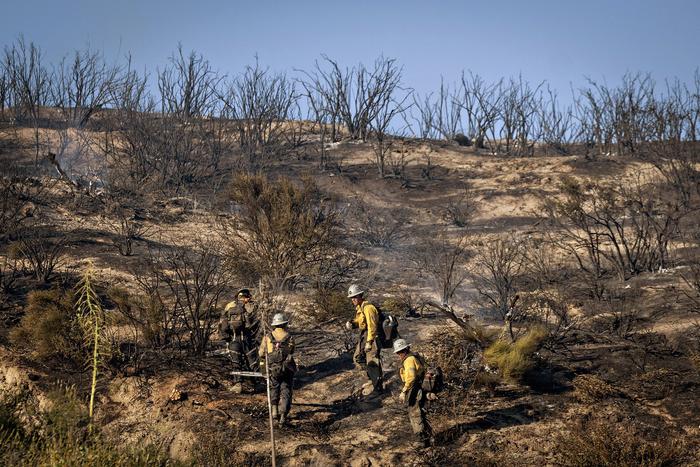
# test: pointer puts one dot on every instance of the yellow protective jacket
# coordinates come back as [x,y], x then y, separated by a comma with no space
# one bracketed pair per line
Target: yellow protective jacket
[367,317]
[278,334]
[412,372]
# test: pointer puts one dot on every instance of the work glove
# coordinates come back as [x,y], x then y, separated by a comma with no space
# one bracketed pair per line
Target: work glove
[402,397]
[368,346]
[348,325]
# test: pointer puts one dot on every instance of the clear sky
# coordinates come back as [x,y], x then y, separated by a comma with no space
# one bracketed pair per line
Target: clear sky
[561,41]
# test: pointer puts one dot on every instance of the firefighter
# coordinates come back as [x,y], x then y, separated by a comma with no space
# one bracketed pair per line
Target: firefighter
[239,327]
[412,372]
[368,350]
[279,345]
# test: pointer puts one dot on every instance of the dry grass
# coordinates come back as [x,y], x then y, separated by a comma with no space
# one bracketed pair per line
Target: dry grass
[514,359]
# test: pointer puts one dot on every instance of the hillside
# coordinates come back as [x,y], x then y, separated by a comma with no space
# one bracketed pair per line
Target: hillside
[616,375]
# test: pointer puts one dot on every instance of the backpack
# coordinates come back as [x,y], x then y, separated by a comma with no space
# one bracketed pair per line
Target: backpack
[433,381]
[279,355]
[388,328]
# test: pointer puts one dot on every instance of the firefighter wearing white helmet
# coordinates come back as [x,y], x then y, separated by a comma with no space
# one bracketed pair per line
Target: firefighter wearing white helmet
[368,350]
[412,372]
[279,345]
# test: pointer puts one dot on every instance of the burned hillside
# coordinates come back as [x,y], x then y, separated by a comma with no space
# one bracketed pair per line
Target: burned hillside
[545,257]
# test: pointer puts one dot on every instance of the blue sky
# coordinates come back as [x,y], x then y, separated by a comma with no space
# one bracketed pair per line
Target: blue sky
[560,41]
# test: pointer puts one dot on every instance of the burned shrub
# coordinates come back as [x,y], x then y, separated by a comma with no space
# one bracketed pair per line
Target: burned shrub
[549,293]
[380,228]
[42,250]
[144,312]
[14,206]
[457,352]
[692,286]
[443,259]
[496,271]
[623,228]
[282,233]
[9,272]
[620,312]
[461,209]
[401,303]
[193,278]
[126,228]
[599,443]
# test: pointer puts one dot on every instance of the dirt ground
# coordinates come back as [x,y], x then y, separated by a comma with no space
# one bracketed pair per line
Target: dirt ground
[332,422]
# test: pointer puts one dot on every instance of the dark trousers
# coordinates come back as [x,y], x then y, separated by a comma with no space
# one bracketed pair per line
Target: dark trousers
[371,361]
[281,386]
[416,413]
[243,356]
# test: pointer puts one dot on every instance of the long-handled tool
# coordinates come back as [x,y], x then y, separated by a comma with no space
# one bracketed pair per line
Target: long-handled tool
[257,374]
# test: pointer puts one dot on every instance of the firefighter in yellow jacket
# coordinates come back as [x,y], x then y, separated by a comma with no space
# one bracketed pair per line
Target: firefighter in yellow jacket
[279,346]
[412,372]
[368,350]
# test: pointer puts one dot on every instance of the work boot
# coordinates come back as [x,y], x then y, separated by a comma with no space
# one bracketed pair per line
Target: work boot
[274,412]
[283,420]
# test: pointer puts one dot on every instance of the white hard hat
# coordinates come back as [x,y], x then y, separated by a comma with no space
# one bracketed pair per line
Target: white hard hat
[279,319]
[400,344]
[354,291]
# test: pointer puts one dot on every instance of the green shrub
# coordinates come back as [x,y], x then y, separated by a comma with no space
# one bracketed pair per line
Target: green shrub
[398,306]
[329,304]
[514,359]
[49,327]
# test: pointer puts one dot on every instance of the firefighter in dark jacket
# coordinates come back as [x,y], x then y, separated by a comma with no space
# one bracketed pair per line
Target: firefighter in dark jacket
[240,327]
[279,345]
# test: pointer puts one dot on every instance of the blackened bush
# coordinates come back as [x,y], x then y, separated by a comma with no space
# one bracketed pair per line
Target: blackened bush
[457,352]
[283,231]
[598,443]
[42,251]
[461,209]
[380,228]
[496,272]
